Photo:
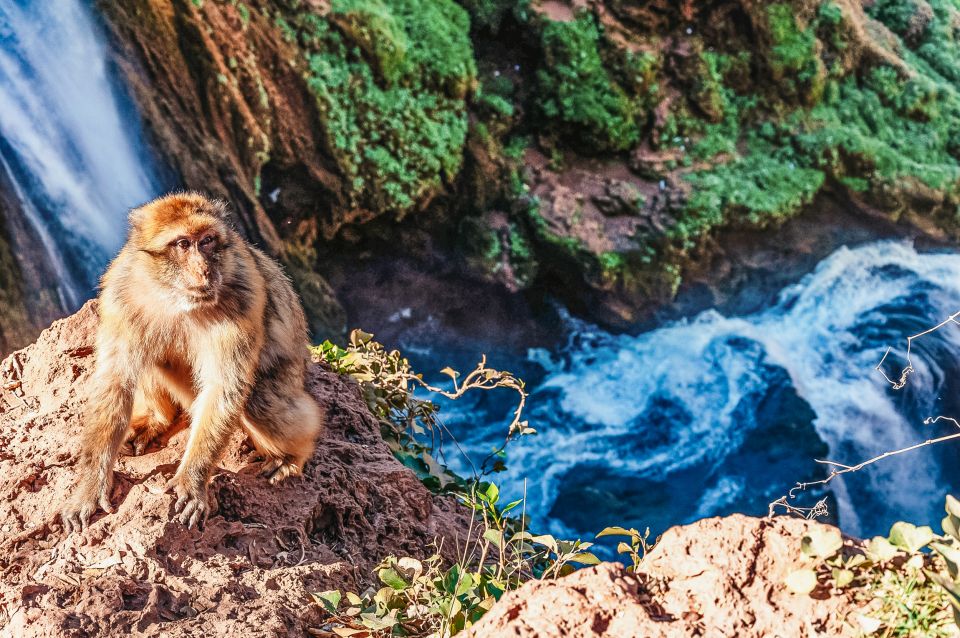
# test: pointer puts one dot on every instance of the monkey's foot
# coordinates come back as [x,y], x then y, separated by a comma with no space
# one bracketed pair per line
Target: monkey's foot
[191,507]
[278,469]
[76,514]
[142,436]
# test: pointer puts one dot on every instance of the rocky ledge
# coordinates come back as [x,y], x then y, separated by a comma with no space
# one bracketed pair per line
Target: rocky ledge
[250,572]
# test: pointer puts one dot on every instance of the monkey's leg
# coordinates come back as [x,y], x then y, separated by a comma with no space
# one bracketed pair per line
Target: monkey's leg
[106,423]
[154,412]
[284,429]
[215,414]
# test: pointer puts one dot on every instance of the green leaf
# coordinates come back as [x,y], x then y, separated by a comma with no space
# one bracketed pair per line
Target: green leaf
[509,506]
[389,577]
[951,523]
[909,537]
[377,623]
[329,600]
[952,506]
[410,568]
[465,584]
[547,540]
[616,531]
[951,555]
[821,543]
[494,536]
[585,558]
[450,579]
[493,493]
[880,550]
[359,337]
[951,526]
[842,577]
[450,372]
[623,548]
[801,581]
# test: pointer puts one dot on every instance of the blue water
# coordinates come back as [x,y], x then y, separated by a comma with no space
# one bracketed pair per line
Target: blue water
[70,144]
[715,414]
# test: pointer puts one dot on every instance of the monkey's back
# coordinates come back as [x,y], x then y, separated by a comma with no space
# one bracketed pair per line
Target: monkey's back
[284,355]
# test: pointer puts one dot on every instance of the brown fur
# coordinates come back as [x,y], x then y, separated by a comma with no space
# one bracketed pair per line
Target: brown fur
[194,319]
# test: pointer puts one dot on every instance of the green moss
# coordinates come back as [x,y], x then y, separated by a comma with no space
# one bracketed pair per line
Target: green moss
[577,95]
[612,262]
[244,14]
[519,246]
[391,83]
[756,190]
[884,130]
[794,58]
[494,99]
[880,131]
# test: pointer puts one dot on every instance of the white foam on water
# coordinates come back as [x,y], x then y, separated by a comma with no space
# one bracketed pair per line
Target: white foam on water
[818,332]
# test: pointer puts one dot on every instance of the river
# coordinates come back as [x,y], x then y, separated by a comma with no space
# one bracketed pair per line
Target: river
[716,414]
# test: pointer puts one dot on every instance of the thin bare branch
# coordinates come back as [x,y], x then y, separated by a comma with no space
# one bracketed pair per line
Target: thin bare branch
[839,469]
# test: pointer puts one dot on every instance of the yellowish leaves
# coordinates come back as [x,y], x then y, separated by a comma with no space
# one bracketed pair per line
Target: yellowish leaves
[801,581]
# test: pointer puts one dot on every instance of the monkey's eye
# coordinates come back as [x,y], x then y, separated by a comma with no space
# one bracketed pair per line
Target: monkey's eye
[182,244]
[206,241]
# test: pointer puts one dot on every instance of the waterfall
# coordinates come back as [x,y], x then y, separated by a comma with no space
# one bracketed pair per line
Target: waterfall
[69,139]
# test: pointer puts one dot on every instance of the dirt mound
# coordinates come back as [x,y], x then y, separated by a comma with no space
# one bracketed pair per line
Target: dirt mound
[263,551]
[716,577]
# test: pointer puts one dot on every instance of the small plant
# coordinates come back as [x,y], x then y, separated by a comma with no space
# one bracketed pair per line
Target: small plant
[432,597]
[409,424]
[638,546]
[903,589]
[423,598]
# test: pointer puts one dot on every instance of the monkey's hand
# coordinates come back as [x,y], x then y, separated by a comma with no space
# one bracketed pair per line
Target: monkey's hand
[89,495]
[191,507]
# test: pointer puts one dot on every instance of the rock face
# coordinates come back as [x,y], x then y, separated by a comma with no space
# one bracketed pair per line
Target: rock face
[716,577]
[539,143]
[263,551]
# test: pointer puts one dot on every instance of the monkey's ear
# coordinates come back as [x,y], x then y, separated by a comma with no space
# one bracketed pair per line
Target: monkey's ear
[136,217]
[219,208]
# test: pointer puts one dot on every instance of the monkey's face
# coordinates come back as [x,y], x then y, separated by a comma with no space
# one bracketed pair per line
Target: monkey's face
[188,242]
[194,266]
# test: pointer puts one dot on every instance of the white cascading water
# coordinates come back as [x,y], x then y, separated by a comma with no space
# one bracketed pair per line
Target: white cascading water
[678,423]
[67,141]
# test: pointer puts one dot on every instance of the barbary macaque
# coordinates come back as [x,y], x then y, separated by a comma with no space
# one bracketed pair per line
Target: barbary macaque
[194,318]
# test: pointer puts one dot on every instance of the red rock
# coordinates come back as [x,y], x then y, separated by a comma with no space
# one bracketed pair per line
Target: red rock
[718,577]
[250,572]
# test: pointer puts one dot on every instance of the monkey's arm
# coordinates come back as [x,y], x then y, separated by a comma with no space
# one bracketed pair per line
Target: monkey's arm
[108,416]
[226,370]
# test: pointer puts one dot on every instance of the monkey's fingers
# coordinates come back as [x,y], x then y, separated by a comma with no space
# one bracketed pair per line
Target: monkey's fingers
[70,522]
[191,512]
[77,519]
[270,467]
[104,502]
[85,514]
[276,470]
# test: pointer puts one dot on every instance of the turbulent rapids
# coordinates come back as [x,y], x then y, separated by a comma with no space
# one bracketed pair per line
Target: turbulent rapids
[717,414]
